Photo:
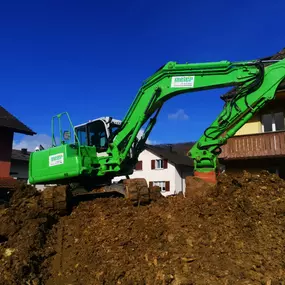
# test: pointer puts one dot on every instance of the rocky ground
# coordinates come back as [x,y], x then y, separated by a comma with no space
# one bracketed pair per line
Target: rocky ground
[231,234]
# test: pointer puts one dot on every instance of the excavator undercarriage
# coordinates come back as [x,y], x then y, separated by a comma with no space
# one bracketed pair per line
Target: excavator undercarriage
[63,197]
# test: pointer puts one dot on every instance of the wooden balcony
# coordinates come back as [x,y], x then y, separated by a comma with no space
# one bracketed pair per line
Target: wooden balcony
[259,145]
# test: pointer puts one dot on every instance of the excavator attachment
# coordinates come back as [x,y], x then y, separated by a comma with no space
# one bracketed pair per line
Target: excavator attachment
[209,177]
[197,187]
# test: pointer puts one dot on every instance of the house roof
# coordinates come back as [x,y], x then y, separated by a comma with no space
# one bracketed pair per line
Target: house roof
[278,56]
[7,120]
[22,155]
[175,153]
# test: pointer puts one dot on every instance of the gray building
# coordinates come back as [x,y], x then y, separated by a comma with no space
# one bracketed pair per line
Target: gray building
[20,164]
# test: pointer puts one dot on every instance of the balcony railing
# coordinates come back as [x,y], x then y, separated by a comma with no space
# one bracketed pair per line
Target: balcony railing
[254,146]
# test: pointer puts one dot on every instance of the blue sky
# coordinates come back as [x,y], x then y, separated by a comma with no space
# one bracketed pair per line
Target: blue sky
[90,57]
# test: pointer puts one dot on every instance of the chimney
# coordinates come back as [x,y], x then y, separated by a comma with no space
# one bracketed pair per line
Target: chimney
[24,150]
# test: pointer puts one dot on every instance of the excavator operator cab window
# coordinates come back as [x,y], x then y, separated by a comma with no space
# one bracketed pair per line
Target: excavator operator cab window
[82,135]
[97,135]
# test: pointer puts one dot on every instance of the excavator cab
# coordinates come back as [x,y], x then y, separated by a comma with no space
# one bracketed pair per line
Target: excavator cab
[97,132]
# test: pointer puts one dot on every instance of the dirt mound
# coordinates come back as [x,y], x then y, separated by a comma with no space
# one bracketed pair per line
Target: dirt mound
[228,234]
[232,234]
[23,230]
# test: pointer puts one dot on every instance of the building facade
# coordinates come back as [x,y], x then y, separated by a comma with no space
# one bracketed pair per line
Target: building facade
[20,164]
[260,143]
[9,125]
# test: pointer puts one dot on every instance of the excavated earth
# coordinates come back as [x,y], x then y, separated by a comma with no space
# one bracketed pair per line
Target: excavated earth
[229,234]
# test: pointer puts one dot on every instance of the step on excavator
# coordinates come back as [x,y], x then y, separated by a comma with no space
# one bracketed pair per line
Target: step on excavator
[87,157]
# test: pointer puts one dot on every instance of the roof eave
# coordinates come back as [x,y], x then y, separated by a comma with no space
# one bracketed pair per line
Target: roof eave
[14,123]
[15,130]
[171,161]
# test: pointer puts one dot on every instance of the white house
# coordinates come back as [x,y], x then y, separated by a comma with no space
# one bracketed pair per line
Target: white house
[165,166]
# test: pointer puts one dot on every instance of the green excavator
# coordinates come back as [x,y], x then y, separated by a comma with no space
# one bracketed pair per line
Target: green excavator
[90,155]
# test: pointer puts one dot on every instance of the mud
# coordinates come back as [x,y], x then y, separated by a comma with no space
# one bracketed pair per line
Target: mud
[231,234]
[23,231]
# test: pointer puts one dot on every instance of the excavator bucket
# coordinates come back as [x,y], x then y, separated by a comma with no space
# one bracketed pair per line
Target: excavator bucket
[210,177]
[197,187]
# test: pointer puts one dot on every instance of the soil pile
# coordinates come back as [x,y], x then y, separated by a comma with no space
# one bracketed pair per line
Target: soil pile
[23,229]
[232,234]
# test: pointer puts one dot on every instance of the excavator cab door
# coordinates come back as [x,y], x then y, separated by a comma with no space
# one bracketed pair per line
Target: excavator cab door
[98,135]
[94,133]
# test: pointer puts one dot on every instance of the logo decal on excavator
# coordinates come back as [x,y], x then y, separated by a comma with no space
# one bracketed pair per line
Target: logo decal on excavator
[56,159]
[182,81]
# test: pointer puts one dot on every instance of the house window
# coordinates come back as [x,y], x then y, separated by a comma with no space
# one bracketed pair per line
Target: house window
[273,122]
[139,165]
[279,121]
[163,185]
[159,164]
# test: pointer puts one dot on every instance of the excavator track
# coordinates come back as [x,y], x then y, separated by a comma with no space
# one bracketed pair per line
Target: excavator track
[56,198]
[62,198]
[137,191]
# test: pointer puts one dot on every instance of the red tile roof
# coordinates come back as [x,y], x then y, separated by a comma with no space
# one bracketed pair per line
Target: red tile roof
[176,153]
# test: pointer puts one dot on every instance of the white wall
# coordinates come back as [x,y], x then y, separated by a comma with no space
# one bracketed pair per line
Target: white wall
[169,174]
[178,181]
[184,173]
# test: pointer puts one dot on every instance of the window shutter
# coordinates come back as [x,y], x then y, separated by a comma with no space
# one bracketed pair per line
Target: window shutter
[139,165]
[150,184]
[167,185]
[165,163]
[153,164]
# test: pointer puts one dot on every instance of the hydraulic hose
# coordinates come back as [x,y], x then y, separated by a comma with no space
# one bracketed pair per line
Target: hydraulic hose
[242,92]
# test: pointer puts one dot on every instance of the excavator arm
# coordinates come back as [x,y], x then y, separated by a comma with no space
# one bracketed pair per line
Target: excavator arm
[246,102]
[255,84]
